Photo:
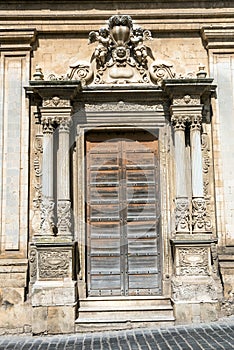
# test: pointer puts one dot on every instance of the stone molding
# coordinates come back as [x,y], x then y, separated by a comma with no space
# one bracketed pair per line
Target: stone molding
[17,39]
[218,37]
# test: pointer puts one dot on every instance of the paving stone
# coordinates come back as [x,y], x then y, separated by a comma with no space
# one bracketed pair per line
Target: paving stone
[218,336]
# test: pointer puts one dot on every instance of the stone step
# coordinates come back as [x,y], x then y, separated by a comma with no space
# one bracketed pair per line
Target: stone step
[124,302]
[124,312]
[141,319]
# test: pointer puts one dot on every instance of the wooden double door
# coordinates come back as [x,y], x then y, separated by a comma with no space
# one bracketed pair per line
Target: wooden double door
[122,214]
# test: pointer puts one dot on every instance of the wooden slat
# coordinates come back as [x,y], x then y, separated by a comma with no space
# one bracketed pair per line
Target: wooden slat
[122,214]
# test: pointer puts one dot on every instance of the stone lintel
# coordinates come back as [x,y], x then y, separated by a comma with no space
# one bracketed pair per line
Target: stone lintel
[17,39]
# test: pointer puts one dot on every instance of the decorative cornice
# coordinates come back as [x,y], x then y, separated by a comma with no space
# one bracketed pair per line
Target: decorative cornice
[17,39]
[218,37]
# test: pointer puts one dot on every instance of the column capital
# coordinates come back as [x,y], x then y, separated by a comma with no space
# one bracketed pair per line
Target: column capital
[179,122]
[48,125]
[64,124]
[196,122]
[183,115]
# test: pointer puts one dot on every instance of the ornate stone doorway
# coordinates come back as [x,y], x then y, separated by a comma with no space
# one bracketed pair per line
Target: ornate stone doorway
[122,211]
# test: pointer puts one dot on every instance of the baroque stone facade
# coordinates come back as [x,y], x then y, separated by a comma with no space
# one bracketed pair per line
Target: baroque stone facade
[117,190]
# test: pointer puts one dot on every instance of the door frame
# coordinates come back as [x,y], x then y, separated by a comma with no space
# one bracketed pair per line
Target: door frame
[149,113]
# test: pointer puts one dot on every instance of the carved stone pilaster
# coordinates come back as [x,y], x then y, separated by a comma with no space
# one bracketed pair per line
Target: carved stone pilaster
[33,264]
[182,215]
[64,217]
[37,175]
[200,218]
[47,217]
[206,164]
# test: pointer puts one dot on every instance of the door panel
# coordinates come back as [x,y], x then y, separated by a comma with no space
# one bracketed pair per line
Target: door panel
[122,214]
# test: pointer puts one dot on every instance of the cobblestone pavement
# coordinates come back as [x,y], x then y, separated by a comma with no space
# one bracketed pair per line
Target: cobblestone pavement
[216,336]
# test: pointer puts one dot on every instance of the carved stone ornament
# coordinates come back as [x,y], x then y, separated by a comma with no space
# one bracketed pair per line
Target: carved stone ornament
[196,122]
[64,125]
[206,165]
[47,217]
[200,218]
[48,125]
[56,101]
[182,215]
[122,106]
[64,217]
[119,57]
[193,261]
[187,100]
[54,264]
[33,264]
[179,122]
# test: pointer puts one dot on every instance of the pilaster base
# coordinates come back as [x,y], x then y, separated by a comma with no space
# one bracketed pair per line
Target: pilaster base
[196,284]
[53,287]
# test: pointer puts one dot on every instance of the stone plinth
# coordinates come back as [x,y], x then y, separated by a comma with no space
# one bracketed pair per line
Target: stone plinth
[54,291]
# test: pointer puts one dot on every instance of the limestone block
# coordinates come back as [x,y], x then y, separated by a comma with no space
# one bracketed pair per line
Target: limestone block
[52,293]
[13,273]
[209,312]
[11,296]
[186,313]
[61,319]
[15,318]
[39,320]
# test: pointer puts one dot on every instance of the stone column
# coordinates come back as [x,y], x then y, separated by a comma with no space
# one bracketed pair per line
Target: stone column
[200,220]
[182,204]
[47,210]
[63,191]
